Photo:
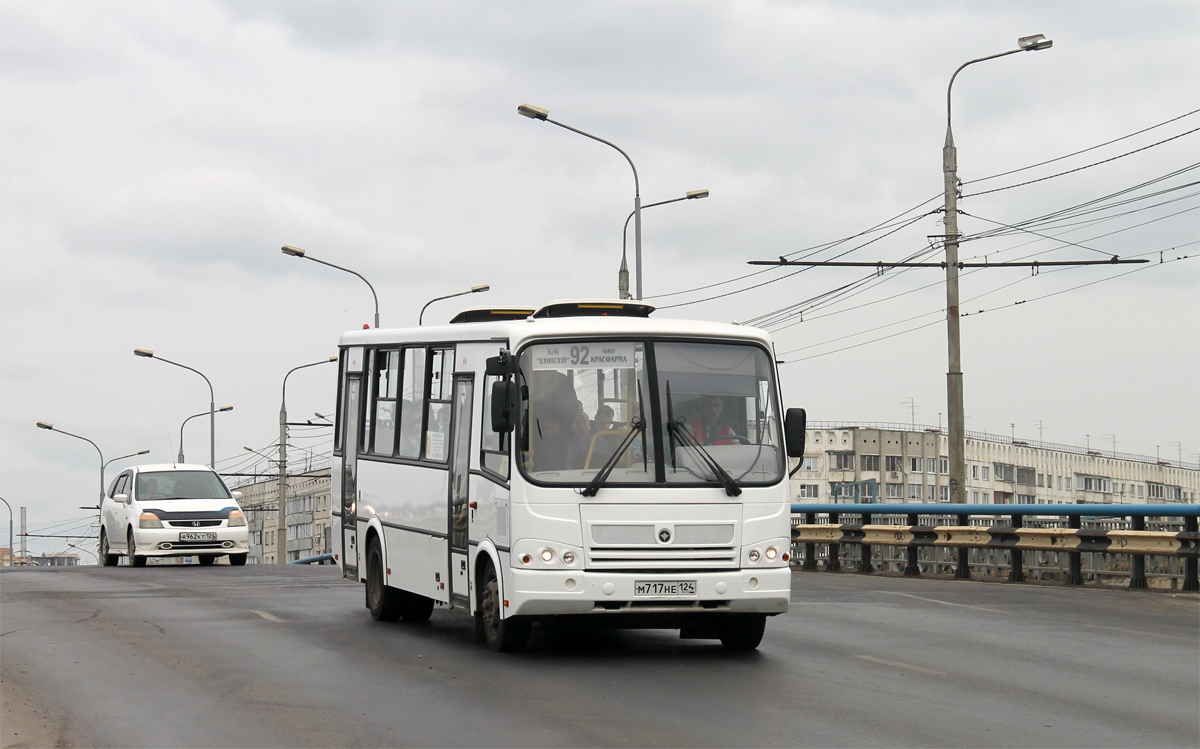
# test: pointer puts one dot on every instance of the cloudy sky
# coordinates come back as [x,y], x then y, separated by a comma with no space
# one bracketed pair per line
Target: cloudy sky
[154,157]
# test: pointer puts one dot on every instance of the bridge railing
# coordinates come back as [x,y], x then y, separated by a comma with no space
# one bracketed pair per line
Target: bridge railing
[996,536]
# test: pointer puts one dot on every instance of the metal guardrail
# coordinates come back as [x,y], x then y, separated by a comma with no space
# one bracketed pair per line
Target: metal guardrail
[319,559]
[1014,538]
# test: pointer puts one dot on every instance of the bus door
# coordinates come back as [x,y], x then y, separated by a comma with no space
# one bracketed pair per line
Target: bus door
[351,411]
[459,495]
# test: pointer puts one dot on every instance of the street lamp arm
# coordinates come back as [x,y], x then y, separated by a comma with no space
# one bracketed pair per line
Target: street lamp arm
[637,190]
[356,273]
[211,396]
[972,62]
[472,290]
[302,366]
[130,455]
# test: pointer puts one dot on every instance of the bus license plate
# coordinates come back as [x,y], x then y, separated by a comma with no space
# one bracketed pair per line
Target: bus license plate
[664,588]
[197,537]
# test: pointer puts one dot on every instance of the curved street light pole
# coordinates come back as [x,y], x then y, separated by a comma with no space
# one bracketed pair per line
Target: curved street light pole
[623,275]
[298,252]
[212,403]
[222,409]
[954,377]
[537,113]
[51,427]
[472,290]
[281,519]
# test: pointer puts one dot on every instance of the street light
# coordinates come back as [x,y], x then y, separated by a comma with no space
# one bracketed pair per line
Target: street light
[212,403]
[80,548]
[954,378]
[49,426]
[623,275]
[297,252]
[472,290]
[537,113]
[222,409]
[281,524]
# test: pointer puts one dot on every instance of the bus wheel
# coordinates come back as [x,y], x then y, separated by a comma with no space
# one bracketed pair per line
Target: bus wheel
[417,608]
[385,603]
[107,558]
[502,635]
[743,631]
[135,559]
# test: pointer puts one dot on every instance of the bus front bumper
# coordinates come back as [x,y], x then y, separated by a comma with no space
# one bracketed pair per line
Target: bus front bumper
[563,592]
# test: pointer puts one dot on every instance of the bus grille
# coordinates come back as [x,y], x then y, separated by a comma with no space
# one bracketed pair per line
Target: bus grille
[662,558]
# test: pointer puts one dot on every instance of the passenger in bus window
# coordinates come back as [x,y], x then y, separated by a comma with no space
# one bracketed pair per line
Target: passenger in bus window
[708,425]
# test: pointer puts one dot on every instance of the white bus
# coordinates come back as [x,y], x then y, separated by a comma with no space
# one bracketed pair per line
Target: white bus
[578,464]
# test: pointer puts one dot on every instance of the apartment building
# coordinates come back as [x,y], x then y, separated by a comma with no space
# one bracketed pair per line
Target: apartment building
[309,517]
[872,462]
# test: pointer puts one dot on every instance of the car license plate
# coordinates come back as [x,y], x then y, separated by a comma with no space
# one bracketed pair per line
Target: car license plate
[197,537]
[664,588]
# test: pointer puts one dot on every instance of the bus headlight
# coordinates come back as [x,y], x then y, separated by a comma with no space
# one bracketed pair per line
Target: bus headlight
[236,519]
[547,555]
[149,520]
[568,557]
[754,555]
[772,552]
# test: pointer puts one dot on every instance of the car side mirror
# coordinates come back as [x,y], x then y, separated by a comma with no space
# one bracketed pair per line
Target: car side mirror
[505,402]
[237,495]
[122,498]
[795,424]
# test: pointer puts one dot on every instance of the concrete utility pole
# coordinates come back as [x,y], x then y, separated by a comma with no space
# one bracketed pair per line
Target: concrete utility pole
[623,274]
[24,535]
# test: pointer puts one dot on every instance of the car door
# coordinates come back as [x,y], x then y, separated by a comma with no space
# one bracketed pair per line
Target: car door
[114,512]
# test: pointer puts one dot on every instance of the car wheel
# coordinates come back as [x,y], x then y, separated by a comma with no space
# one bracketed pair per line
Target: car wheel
[107,558]
[135,559]
[207,561]
[385,603]
[238,560]
[502,635]
[743,632]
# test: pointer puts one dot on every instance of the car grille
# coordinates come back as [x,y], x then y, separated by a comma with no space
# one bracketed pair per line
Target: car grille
[193,523]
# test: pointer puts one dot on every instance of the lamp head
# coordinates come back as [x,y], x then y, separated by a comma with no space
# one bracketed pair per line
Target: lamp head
[45,425]
[1034,43]
[477,289]
[532,112]
[332,358]
[247,448]
[142,452]
[143,352]
[225,408]
[697,194]
[287,249]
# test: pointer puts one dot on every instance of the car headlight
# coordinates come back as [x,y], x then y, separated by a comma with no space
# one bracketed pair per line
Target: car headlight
[149,520]
[236,519]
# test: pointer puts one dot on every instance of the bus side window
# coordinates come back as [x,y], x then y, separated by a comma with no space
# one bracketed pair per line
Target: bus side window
[413,404]
[494,454]
[386,381]
[441,386]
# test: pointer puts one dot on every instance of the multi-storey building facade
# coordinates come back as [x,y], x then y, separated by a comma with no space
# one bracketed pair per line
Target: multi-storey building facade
[309,517]
[846,462]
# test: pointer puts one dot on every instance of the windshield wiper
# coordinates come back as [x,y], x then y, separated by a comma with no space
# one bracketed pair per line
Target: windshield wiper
[678,431]
[636,426]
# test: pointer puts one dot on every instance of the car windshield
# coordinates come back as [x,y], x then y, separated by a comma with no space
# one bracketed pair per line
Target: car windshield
[180,485]
[715,412]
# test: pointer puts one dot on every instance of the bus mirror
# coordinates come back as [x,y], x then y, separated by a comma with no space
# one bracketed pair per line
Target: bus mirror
[500,366]
[504,405]
[795,423]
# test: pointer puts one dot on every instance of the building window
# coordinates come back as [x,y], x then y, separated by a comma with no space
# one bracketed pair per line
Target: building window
[944,465]
[870,462]
[974,471]
[893,463]
[1041,478]
[1002,498]
[1140,493]
[1026,476]
[931,465]
[914,465]
[985,471]
[1026,499]
[1005,472]
[895,491]
[843,461]
[914,492]
[808,491]
[943,494]
[1067,482]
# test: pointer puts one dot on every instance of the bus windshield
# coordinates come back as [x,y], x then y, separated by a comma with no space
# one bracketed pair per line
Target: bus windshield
[710,406]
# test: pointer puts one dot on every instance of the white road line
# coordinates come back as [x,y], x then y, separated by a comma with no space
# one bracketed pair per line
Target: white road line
[898,664]
[265,615]
[946,603]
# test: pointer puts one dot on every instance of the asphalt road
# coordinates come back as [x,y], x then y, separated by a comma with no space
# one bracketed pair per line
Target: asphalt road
[258,656]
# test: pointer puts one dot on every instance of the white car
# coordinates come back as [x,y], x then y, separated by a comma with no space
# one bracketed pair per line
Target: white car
[171,511]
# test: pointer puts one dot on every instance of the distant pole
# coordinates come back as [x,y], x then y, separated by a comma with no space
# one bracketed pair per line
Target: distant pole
[281,520]
[11,550]
[24,537]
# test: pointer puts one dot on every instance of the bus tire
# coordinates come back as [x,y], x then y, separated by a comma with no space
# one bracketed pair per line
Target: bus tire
[502,635]
[743,631]
[107,558]
[385,603]
[417,608]
[135,559]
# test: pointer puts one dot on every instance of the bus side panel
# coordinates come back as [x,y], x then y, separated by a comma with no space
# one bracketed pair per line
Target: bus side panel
[490,518]
[335,504]
[417,562]
[409,496]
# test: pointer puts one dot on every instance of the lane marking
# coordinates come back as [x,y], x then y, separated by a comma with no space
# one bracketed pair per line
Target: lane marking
[946,603]
[266,615]
[1141,632]
[898,664]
